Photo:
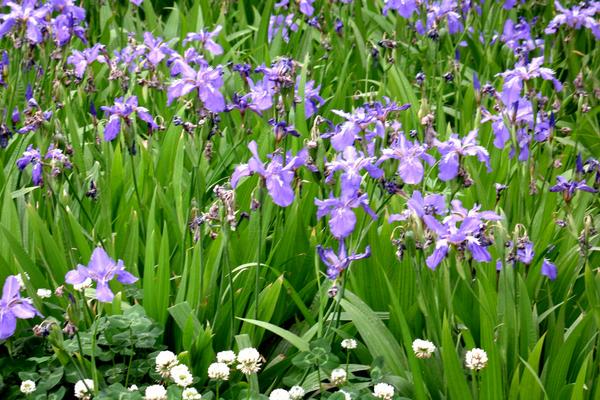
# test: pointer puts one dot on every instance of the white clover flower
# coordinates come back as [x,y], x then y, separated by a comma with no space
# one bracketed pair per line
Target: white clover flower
[165,360]
[133,388]
[476,359]
[338,376]
[349,344]
[191,394]
[226,357]
[347,395]
[155,392]
[249,361]
[83,285]
[27,386]
[44,293]
[84,389]
[181,375]
[296,392]
[383,391]
[423,348]
[218,371]
[279,394]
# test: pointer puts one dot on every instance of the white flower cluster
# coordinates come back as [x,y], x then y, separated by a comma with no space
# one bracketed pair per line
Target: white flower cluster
[249,361]
[338,376]
[84,389]
[155,392]
[476,359]
[383,391]
[296,392]
[27,386]
[218,371]
[168,366]
[349,344]
[279,394]
[423,348]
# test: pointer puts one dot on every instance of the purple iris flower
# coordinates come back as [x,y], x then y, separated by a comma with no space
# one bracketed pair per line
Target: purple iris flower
[283,24]
[568,188]
[4,63]
[206,81]
[82,59]
[64,27]
[342,219]
[278,177]
[261,94]
[525,252]
[360,120]
[27,14]
[129,56]
[448,234]
[436,13]
[405,8]
[577,17]
[410,156]
[281,72]
[58,160]
[312,100]
[517,36]
[101,269]
[306,7]
[460,213]
[338,262]
[68,8]
[420,206]
[205,38]
[122,110]
[13,306]
[514,78]
[454,148]
[136,2]
[157,49]
[549,269]
[282,129]
[32,156]
[352,162]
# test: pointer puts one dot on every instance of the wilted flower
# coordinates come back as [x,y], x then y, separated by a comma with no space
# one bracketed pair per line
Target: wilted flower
[383,391]
[476,359]
[13,306]
[27,386]
[181,375]
[279,394]
[101,269]
[349,344]
[249,361]
[155,392]
[218,371]
[84,389]
[227,357]
[423,348]
[338,376]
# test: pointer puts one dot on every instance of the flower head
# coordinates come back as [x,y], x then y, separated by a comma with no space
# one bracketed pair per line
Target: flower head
[205,38]
[476,359]
[423,348]
[249,361]
[549,270]
[383,391]
[13,306]
[454,149]
[27,387]
[181,375]
[227,357]
[155,392]
[122,111]
[349,344]
[218,371]
[101,269]
[84,389]
[568,188]
[206,81]
[165,360]
[297,392]
[336,263]
[279,394]
[338,376]
[191,394]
